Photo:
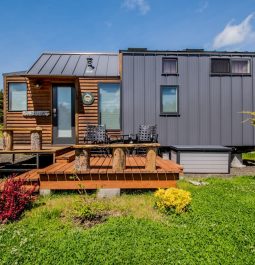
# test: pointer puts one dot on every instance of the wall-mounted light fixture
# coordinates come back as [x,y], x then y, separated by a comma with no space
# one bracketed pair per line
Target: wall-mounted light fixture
[38,84]
[90,66]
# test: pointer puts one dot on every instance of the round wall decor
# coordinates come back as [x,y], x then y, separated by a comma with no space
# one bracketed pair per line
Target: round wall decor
[87,98]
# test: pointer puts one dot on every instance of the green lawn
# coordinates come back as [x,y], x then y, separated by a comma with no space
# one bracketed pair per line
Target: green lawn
[220,229]
[248,156]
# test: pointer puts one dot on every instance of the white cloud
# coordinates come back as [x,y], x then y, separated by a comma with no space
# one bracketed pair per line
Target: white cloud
[141,5]
[203,6]
[235,34]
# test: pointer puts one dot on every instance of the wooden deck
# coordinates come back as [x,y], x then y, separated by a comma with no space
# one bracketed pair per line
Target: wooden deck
[25,149]
[62,175]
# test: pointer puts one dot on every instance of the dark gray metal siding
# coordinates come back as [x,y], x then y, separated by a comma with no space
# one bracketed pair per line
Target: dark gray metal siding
[209,105]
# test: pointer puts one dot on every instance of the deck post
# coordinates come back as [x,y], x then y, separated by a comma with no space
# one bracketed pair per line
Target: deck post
[36,139]
[7,140]
[119,159]
[151,159]
[82,159]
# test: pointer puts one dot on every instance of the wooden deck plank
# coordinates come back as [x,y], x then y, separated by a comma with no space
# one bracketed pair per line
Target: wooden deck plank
[168,165]
[66,157]
[70,169]
[95,161]
[25,149]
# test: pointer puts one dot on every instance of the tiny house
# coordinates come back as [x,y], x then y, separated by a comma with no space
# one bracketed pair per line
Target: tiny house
[61,93]
[194,96]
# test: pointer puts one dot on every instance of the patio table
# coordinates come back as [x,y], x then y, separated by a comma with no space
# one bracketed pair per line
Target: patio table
[82,155]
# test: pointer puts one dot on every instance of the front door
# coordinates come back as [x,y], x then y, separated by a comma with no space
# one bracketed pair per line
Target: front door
[63,114]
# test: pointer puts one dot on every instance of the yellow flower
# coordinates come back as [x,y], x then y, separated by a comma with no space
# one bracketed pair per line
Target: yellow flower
[172,199]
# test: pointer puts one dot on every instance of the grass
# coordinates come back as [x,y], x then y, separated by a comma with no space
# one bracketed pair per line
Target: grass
[219,230]
[248,156]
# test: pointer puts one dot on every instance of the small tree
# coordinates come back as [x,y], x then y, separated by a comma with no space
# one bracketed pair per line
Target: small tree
[250,119]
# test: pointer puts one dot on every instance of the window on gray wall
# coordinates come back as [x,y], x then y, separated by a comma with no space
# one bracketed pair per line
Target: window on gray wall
[109,105]
[169,100]
[220,66]
[169,66]
[17,96]
[240,66]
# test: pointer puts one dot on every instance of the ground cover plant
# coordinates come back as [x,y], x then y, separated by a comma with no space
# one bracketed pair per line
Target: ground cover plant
[219,229]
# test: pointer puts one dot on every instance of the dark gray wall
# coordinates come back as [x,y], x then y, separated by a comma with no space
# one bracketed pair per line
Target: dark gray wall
[209,105]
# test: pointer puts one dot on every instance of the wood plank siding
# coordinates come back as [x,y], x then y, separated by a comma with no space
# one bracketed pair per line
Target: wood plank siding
[41,100]
[37,99]
[90,114]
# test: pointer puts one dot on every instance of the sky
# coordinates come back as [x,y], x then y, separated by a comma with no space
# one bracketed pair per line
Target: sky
[30,27]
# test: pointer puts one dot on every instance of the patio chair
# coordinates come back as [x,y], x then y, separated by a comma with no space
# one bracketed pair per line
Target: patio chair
[96,134]
[146,134]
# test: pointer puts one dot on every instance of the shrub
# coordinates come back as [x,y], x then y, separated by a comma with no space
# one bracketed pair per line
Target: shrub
[14,199]
[172,200]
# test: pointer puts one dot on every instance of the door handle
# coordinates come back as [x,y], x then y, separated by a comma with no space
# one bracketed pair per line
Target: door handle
[54,112]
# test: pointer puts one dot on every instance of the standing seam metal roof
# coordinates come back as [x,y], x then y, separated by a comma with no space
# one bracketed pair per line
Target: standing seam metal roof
[75,64]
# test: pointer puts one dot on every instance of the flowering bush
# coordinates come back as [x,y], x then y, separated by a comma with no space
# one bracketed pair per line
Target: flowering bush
[172,200]
[14,199]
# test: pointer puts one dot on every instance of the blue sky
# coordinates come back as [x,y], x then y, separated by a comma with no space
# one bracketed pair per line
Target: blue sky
[29,27]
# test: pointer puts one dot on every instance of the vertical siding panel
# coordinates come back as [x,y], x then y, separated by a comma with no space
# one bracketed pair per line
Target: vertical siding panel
[236,108]
[150,88]
[215,110]
[161,121]
[226,110]
[172,124]
[247,106]
[204,100]
[139,92]
[127,95]
[193,111]
[183,101]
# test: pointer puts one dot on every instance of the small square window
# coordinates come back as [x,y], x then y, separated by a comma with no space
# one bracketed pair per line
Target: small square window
[169,100]
[169,66]
[17,96]
[240,66]
[220,66]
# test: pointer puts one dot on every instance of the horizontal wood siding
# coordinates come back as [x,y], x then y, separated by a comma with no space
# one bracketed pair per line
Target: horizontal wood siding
[201,162]
[41,99]
[90,114]
[37,99]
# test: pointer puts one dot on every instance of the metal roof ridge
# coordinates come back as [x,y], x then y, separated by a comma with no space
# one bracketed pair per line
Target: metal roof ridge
[81,53]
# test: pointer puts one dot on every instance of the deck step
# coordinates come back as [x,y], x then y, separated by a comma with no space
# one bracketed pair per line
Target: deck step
[30,178]
[66,158]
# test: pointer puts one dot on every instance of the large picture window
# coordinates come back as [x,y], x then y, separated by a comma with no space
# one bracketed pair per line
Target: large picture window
[169,100]
[17,96]
[110,105]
